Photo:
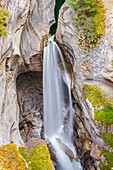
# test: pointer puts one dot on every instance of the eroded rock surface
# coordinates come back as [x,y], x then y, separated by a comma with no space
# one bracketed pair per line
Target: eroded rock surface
[21,69]
[30,99]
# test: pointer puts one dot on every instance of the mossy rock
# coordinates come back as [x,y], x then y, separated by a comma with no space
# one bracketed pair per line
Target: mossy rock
[108,138]
[103,106]
[10,158]
[24,154]
[108,162]
[103,112]
[38,159]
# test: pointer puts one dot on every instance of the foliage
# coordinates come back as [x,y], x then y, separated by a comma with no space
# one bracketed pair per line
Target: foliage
[109,160]
[103,110]
[108,138]
[10,158]
[88,17]
[3,15]
[103,106]
[38,159]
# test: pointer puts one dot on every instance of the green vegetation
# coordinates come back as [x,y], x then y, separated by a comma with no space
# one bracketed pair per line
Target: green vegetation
[88,17]
[108,164]
[24,154]
[13,159]
[103,106]
[108,138]
[10,158]
[3,15]
[105,114]
[103,110]
[38,159]
[112,63]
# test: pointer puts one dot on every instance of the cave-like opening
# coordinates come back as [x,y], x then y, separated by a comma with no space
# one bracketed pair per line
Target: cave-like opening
[30,100]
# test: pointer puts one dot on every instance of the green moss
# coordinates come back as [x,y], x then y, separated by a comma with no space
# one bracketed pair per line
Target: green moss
[95,95]
[10,158]
[24,154]
[13,159]
[108,164]
[103,106]
[108,138]
[3,15]
[88,17]
[112,63]
[105,114]
[40,158]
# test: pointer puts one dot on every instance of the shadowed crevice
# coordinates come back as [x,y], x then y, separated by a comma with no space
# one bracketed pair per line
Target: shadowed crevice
[58,4]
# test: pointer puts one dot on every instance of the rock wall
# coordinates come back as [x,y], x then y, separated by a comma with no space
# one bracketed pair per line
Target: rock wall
[22,52]
[93,63]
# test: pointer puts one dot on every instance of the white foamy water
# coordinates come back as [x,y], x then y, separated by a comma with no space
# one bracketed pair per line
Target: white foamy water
[58,110]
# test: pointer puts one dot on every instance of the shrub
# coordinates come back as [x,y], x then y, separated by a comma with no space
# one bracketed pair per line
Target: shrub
[88,17]
[3,15]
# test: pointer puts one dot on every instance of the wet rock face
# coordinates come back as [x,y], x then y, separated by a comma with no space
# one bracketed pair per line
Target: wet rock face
[30,99]
[83,143]
[21,60]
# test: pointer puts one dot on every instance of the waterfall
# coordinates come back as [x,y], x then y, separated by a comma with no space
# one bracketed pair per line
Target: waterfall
[58,110]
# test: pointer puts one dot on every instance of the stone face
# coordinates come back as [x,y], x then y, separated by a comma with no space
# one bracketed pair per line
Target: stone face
[21,52]
[91,63]
[9,109]
[21,55]
[108,42]
[30,99]
[95,152]
[32,143]
[69,152]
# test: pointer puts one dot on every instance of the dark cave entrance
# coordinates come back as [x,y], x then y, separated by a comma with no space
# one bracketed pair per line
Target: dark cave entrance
[30,100]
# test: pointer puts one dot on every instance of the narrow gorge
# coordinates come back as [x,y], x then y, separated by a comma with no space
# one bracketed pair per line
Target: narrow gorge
[56,85]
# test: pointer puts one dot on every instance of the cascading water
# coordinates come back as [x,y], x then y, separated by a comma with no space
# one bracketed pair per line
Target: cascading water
[58,110]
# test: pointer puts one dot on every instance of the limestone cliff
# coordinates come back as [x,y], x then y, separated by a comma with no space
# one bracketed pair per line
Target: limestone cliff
[21,58]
